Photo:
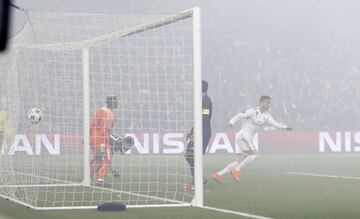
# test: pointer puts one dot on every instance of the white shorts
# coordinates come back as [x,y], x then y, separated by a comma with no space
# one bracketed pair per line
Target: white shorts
[243,146]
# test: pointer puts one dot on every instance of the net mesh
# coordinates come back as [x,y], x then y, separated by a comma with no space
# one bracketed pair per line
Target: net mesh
[145,60]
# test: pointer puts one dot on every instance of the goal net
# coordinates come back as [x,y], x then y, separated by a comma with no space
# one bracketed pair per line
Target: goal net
[66,64]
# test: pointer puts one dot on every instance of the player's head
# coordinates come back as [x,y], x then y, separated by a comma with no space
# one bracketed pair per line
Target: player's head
[204,86]
[265,102]
[128,143]
[111,102]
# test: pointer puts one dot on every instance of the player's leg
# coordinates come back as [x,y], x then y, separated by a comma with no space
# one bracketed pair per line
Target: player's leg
[248,149]
[206,139]
[190,160]
[191,163]
[218,175]
[95,164]
[104,169]
[113,171]
[239,158]
[253,155]
[114,141]
[240,147]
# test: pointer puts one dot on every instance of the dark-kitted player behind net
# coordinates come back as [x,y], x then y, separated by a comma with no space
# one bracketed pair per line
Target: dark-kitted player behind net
[120,145]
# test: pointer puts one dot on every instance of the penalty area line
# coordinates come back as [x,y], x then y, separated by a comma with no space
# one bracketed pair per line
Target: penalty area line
[322,175]
[236,212]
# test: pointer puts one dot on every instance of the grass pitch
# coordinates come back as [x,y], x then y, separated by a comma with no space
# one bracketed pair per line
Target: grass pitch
[265,189]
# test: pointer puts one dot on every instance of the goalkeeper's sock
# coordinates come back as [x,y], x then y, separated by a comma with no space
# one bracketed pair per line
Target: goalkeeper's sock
[104,169]
[95,165]
[228,168]
[248,160]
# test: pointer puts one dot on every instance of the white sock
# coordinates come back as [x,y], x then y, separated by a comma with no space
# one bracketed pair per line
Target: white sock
[246,162]
[228,168]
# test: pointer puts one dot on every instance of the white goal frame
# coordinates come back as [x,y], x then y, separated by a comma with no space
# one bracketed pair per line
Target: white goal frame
[85,47]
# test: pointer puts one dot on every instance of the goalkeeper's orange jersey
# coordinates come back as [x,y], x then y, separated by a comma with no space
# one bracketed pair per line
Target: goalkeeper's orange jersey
[101,125]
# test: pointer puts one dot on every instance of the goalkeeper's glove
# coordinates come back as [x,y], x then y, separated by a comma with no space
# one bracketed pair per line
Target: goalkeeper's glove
[100,155]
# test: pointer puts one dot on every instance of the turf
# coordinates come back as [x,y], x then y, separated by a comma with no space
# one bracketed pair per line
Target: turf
[264,190]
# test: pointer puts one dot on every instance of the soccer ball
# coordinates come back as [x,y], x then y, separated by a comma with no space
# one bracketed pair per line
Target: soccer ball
[34,115]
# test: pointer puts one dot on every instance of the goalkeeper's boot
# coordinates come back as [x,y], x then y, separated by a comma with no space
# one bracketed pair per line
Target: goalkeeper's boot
[235,175]
[188,187]
[217,177]
[101,183]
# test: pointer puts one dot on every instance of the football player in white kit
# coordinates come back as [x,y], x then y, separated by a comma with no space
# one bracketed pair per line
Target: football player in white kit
[246,152]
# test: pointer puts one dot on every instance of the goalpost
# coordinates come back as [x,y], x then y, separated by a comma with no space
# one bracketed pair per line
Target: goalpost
[66,64]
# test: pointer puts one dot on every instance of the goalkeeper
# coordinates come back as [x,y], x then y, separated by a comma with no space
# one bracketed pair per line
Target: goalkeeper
[100,129]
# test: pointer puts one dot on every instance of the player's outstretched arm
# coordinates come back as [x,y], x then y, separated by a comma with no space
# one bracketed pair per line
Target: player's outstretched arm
[278,125]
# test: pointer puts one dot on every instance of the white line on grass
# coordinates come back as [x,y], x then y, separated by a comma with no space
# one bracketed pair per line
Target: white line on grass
[176,202]
[323,175]
[236,212]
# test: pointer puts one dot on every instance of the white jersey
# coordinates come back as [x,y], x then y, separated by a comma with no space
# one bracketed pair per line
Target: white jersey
[254,120]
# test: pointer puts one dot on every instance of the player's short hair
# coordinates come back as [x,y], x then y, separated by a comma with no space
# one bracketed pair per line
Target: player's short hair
[205,86]
[264,97]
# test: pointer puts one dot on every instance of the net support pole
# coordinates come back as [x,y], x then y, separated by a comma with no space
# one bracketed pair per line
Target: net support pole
[198,156]
[86,114]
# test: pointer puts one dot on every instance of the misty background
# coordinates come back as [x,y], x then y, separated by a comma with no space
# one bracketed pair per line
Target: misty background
[304,54]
